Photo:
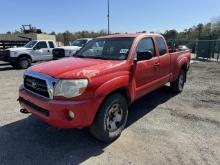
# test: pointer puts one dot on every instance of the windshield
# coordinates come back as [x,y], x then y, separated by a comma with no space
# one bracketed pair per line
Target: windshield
[109,48]
[30,44]
[79,43]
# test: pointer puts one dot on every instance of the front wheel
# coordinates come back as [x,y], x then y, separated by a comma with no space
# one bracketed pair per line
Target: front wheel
[23,63]
[111,118]
[177,86]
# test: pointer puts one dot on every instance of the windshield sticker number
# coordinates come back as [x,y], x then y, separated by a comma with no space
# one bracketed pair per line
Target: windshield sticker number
[124,51]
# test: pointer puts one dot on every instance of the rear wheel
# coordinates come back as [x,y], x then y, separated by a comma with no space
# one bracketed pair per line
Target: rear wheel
[23,63]
[111,118]
[177,86]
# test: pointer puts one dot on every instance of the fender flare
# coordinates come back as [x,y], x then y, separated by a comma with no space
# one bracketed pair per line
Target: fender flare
[112,85]
[24,55]
[181,63]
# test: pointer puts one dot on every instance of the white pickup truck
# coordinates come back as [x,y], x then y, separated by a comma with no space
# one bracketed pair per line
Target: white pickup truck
[33,51]
[68,51]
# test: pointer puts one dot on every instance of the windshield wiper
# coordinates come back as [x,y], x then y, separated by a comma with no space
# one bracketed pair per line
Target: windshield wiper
[98,57]
[95,57]
[80,56]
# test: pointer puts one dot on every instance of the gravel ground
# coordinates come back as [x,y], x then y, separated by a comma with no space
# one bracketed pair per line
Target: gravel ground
[163,128]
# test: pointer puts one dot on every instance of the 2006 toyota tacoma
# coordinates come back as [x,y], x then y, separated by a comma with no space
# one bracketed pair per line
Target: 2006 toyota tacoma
[95,87]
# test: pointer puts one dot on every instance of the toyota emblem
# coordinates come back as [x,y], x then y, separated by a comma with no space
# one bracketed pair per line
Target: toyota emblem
[34,84]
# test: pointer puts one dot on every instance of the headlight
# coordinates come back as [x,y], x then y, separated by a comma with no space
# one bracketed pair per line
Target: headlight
[70,88]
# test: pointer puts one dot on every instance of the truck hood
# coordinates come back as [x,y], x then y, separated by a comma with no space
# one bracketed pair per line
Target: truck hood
[70,47]
[70,68]
[18,49]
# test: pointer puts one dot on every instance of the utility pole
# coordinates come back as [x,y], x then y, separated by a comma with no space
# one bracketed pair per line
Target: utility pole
[108,16]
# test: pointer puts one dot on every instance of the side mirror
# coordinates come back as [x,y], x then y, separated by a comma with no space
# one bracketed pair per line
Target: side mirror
[146,55]
[36,48]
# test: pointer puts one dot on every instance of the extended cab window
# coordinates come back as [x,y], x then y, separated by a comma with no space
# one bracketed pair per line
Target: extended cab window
[41,45]
[146,44]
[51,44]
[161,46]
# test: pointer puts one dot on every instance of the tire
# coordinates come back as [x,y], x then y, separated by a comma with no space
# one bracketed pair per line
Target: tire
[111,118]
[178,85]
[23,63]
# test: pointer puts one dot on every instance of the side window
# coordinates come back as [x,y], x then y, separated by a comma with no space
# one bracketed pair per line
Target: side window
[51,44]
[145,45]
[41,45]
[161,45]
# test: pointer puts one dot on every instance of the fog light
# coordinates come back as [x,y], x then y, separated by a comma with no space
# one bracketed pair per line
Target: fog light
[71,114]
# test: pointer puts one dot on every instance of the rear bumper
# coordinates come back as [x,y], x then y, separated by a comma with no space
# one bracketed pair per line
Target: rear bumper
[56,112]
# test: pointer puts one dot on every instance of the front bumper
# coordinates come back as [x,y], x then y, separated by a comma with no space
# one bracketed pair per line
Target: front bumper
[55,112]
[5,56]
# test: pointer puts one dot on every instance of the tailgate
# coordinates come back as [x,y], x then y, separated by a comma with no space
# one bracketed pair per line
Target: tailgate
[58,53]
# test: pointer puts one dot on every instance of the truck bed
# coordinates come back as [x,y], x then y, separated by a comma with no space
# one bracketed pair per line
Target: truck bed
[177,59]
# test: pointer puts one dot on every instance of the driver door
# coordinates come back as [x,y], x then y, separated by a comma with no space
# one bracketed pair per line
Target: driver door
[41,51]
[146,70]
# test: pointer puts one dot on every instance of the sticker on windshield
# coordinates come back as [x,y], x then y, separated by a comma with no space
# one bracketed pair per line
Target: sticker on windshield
[124,51]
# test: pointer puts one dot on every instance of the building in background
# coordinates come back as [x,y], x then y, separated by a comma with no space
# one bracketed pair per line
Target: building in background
[12,40]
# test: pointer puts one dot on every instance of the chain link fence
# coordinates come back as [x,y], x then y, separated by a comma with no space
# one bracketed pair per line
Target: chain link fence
[201,49]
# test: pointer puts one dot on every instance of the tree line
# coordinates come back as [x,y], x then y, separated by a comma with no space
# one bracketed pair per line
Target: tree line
[211,29]
[194,33]
[68,36]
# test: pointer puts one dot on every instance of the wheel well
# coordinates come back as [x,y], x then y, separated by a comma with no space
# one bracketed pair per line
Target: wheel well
[184,67]
[123,91]
[25,55]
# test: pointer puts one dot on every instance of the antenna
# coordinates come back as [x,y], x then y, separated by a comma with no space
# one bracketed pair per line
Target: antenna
[108,16]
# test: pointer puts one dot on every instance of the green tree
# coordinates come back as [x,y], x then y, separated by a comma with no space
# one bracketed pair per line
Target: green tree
[199,28]
[171,34]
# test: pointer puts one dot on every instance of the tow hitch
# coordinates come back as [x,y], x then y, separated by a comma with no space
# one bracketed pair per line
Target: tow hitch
[24,111]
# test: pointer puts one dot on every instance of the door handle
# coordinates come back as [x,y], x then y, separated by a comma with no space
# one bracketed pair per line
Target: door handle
[157,64]
[48,50]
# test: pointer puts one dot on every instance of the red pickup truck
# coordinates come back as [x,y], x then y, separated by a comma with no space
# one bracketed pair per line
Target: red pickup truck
[95,87]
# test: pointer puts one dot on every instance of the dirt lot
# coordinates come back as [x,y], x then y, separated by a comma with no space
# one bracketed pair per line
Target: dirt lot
[163,128]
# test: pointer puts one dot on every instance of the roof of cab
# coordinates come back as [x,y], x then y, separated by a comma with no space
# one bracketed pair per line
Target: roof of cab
[131,35]
[43,40]
[85,39]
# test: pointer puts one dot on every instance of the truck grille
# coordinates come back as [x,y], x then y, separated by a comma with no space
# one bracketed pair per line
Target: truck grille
[4,54]
[58,53]
[36,85]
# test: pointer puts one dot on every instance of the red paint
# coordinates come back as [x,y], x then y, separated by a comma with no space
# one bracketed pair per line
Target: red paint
[105,76]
